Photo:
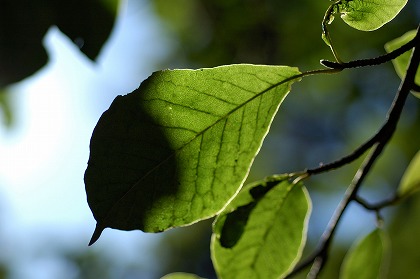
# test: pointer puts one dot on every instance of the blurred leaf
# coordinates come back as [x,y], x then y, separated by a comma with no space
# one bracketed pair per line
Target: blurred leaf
[24,23]
[181,275]
[410,181]
[367,259]
[401,62]
[177,13]
[178,148]
[369,15]
[5,108]
[404,229]
[268,238]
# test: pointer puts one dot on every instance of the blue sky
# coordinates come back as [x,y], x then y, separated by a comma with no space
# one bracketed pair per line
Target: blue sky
[44,154]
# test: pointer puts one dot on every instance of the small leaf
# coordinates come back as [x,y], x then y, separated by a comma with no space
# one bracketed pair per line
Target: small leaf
[368,258]
[178,148]
[369,15]
[6,111]
[401,62]
[270,242]
[410,181]
[181,275]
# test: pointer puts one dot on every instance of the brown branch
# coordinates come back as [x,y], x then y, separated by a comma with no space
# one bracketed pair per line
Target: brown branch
[377,142]
[379,205]
[370,61]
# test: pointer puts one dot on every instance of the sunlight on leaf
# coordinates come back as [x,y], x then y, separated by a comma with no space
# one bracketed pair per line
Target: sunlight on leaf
[410,181]
[369,15]
[178,148]
[181,275]
[268,239]
[401,62]
[368,258]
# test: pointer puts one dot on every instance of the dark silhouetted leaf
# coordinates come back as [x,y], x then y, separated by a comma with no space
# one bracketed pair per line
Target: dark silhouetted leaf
[24,23]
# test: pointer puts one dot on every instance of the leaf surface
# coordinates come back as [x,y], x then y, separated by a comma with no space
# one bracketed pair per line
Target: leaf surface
[401,62]
[178,148]
[369,15]
[410,181]
[265,240]
[368,258]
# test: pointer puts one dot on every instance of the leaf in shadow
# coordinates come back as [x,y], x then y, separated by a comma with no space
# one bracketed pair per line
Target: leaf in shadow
[234,222]
[267,237]
[178,148]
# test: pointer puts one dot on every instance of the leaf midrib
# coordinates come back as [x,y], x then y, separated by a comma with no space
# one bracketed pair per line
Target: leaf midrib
[102,223]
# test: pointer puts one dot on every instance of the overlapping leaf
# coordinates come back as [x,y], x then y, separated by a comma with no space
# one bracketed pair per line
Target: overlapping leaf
[178,148]
[262,232]
[401,62]
[368,15]
[410,181]
[368,258]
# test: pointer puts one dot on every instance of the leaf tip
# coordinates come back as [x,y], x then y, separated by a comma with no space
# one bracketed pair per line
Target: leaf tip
[96,234]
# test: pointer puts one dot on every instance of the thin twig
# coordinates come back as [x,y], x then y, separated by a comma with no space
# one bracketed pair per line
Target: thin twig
[379,205]
[384,129]
[380,140]
[370,61]
[328,18]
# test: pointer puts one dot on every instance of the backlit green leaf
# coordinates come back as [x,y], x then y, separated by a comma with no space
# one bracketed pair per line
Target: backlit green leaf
[181,275]
[401,62]
[266,240]
[178,148]
[368,15]
[368,258]
[410,181]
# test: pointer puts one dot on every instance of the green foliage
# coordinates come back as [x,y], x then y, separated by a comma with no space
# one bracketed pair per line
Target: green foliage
[410,181]
[5,108]
[177,149]
[266,227]
[368,258]
[364,15]
[369,15]
[401,62]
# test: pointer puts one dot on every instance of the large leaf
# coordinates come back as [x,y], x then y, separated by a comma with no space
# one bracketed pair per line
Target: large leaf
[410,181]
[262,232]
[178,148]
[368,15]
[368,258]
[401,62]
